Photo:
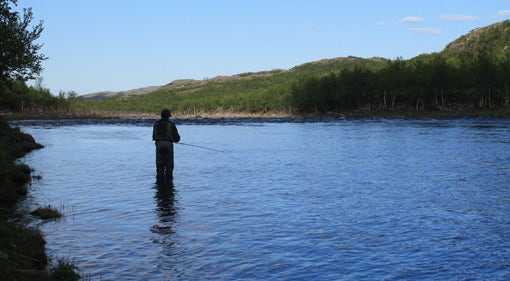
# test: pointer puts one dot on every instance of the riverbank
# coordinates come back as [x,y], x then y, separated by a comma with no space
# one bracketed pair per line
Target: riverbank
[14,144]
[22,249]
[464,113]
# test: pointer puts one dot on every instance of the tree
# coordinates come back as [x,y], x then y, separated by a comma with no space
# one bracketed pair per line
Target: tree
[19,54]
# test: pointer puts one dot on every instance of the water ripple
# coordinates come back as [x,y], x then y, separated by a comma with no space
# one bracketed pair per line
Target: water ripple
[331,199]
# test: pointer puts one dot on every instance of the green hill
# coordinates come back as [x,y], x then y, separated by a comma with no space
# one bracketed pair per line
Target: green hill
[255,92]
[457,77]
[494,38]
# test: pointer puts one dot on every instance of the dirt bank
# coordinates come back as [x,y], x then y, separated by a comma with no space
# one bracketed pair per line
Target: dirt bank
[22,249]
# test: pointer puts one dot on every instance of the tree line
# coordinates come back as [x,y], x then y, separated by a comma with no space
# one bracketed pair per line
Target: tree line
[441,81]
[21,60]
[447,81]
[16,96]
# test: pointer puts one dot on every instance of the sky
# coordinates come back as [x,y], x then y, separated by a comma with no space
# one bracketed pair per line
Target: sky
[119,45]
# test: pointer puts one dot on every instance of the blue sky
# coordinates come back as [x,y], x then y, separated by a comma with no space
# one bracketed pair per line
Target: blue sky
[114,45]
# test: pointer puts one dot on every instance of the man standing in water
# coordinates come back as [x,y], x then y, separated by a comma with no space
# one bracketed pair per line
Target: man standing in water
[165,134]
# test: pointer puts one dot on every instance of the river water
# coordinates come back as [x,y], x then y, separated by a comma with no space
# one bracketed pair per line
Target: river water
[281,200]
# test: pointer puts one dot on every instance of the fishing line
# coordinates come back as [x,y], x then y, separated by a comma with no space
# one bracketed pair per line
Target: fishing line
[202,147]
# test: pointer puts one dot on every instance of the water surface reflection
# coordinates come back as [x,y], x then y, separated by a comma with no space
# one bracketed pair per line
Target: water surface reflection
[339,200]
[165,199]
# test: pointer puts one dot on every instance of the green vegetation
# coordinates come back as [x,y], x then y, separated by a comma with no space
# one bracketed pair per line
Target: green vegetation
[22,249]
[19,57]
[470,75]
[22,253]
[16,96]
[494,39]
[20,61]
[46,213]
[13,144]
[429,83]
[260,92]
[65,270]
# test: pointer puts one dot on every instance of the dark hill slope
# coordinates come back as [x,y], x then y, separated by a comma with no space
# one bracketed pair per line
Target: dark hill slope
[494,38]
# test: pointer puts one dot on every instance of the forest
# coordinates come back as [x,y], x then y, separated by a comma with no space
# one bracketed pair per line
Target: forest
[472,73]
[435,82]
[17,97]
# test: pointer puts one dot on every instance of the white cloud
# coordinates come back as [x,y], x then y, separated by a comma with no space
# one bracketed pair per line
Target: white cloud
[426,30]
[504,13]
[458,17]
[411,19]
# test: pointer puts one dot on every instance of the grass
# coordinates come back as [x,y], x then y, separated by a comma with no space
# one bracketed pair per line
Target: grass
[65,270]
[23,251]
[46,213]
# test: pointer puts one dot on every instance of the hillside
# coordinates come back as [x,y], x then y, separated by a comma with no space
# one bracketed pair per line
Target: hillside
[184,86]
[494,38]
[109,94]
[246,92]
[425,82]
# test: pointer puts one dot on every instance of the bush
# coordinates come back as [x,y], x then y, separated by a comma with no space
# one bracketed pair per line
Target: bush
[65,271]
[46,213]
[13,178]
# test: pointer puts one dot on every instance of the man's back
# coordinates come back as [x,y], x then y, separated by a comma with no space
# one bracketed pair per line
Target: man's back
[165,130]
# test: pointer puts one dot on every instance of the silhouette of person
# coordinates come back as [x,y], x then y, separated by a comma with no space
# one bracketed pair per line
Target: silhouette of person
[164,134]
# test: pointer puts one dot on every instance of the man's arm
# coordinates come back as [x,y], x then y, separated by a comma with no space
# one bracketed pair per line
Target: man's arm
[154,132]
[176,137]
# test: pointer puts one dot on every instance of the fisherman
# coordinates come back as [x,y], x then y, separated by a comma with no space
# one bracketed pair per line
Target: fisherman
[165,133]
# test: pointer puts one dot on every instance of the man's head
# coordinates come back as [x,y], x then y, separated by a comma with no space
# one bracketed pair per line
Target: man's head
[165,114]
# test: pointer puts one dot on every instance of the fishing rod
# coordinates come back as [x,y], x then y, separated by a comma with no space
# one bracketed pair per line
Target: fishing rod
[202,147]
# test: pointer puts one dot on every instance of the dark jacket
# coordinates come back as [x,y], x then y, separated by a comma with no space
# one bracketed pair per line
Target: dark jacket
[165,130]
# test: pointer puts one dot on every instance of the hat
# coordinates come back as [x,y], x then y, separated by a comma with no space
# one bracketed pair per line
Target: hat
[165,114]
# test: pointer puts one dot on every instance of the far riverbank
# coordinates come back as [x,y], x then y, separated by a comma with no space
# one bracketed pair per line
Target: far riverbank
[219,115]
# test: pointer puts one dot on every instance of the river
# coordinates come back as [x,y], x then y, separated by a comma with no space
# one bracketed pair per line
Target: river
[281,199]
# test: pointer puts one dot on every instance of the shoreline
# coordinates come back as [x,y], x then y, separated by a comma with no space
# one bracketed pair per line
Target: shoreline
[499,113]
[22,248]
[246,117]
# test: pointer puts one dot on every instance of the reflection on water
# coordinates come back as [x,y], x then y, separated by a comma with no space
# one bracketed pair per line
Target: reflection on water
[166,211]
[335,200]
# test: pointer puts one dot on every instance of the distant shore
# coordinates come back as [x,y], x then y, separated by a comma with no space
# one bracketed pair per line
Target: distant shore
[497,113]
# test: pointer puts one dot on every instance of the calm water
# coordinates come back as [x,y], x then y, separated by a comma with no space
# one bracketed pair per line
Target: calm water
[337,200]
